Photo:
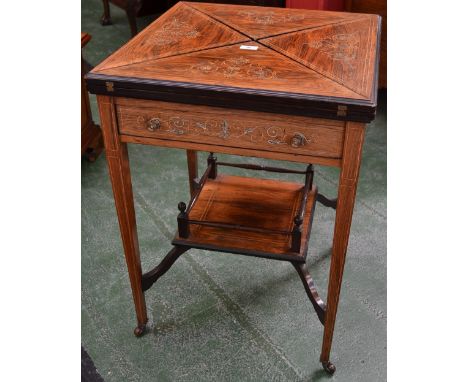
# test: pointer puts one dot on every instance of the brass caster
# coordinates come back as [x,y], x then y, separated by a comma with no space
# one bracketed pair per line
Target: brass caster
[329,367]
[105,20]
[139,330]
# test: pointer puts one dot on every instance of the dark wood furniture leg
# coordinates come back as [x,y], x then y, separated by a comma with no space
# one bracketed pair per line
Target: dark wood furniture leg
[322,199]
[149,278]
[106,19]
[131,16]
[192,162]
[354,138]
[311,290]
[119,171]
[91,136]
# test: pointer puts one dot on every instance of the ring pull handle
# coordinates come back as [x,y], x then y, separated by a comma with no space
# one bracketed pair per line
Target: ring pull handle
[298,140]
[154,124]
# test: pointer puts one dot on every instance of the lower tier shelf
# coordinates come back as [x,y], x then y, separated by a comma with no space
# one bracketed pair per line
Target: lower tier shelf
[263,204]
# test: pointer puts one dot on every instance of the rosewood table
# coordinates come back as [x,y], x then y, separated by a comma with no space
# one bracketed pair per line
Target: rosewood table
[283,84]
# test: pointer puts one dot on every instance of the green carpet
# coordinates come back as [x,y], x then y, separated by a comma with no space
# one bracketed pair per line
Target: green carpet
[220,317]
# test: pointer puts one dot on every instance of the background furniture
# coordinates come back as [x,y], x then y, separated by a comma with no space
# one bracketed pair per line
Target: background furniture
[326,5]
[266,3]
[137,8]
[91,137]
[133,9]
[267,82]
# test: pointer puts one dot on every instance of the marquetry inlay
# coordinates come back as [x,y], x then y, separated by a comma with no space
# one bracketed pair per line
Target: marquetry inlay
[338,46]
[235,67]
[226,129]
[285,61]
[268,18]
[174,31]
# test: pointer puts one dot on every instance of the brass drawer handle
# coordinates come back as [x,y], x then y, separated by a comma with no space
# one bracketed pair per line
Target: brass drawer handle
[154,124]
[298,140]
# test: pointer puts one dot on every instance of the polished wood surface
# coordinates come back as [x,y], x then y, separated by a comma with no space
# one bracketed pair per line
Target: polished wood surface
[349,175]
[119,171]
[290,156]
[137,8]
[302,62]
[377,7]
[341,51]
[257,22]
[257,203]
[302,96]
[180,30]
[233,128]
[264,69]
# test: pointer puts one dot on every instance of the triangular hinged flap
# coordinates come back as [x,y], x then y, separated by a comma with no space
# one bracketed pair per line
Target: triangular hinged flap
[344,52]
[261,22]
[180,30]
[235,66]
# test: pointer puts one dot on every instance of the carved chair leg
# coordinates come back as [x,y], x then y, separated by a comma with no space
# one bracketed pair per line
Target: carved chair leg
[106,19]
[311,290]
[149,278]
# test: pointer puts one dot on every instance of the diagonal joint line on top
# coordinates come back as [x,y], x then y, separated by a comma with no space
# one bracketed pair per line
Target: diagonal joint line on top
[277,50]
[221,22]
[172,55]
[302,29]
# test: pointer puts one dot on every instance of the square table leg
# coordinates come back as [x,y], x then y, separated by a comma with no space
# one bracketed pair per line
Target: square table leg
[192,163]
[352,150]
[119,171]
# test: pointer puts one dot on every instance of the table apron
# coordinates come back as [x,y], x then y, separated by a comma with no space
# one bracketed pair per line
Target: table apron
[230,131]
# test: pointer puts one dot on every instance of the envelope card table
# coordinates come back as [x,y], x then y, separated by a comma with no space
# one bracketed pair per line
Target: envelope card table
[283,84]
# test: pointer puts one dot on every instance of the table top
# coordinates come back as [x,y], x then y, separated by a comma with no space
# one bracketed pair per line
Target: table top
[301,62]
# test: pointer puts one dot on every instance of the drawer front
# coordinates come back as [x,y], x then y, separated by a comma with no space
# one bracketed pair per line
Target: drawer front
[228,127]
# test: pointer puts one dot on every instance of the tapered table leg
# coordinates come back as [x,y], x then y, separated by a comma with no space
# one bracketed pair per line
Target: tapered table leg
[119,170]
[352,150]
[192,163]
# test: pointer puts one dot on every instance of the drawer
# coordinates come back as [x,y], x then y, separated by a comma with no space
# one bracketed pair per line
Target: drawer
[228,127]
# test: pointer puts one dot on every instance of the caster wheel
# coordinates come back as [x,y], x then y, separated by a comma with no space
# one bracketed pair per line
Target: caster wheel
[329,367]
[105,20]
[139,330]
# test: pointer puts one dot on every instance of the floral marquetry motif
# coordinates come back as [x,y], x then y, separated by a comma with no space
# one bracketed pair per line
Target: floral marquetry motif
[338,46]
[338,51]
[225,129]
[261,22]
[181,30]
[235,67]
[174,31]
[288,61]
[280,84]
[268,18]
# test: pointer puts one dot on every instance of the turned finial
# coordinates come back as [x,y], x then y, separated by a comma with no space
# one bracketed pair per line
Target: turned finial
[182,207]
[298,221]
